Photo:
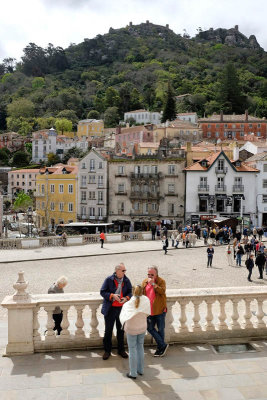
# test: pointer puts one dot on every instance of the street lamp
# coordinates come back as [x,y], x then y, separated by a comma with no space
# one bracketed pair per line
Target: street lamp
[29,216]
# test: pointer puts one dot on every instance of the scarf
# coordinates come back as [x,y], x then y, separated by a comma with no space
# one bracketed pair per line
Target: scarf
[129,311]
[118,291]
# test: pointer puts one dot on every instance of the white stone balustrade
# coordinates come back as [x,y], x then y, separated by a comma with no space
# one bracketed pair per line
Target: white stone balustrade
[194,316]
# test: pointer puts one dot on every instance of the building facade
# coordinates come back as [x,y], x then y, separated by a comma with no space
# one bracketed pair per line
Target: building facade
[143,117]
[182,130]
[90,128]
[93,188]
[21,180]
[56,196]
[144,192]
[218,187]
[240,127]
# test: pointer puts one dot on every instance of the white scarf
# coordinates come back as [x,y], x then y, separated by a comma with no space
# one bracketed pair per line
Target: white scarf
[129,311]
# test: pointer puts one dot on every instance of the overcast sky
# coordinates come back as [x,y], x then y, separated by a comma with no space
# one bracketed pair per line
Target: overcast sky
[62,22]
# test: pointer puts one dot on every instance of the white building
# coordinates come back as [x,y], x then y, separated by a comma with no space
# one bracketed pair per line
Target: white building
[189,117]
[22,180]
[143,117]
[92,188]
[218,187]
[259,161]
[254,147]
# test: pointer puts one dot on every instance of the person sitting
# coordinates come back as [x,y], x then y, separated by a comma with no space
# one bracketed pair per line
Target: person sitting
[58,287]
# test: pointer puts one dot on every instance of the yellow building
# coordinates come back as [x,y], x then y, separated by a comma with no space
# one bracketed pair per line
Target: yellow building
[56,195]
[90,128]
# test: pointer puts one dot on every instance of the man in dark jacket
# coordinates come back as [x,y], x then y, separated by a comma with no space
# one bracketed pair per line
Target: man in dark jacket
[116,290]
[250,266]
[260,262]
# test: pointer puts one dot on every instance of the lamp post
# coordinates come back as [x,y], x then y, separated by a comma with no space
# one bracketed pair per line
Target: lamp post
[29,215]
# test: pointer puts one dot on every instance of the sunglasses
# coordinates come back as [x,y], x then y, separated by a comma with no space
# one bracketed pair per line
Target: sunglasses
[123,270]
[150,274]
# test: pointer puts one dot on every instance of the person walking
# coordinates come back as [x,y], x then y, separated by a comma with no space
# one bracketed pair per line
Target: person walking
[172,238]
[58,287]
[248,248]
[133,319]
[102,239]
[229,255]
[205,236]
[250,266]
[239,254]
[260,262]
[64,239]
[165,243]
[210,252]
[116,290]
[154,288]
[153,232]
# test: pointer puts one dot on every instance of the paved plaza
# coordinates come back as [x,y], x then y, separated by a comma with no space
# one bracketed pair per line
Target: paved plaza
[186,373]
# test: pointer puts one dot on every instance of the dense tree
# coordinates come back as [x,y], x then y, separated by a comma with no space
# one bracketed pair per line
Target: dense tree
[112,98]
[75,152]
[93,114]
[20,159]
[21,108]
[229,94]
[22,202]
[169,110]
[63,125]
[4,157]
[111,117]
[68,114]
[52,159]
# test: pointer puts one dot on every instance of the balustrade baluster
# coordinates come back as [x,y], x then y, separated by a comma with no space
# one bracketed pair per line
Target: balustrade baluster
[169,328]
[260,314]
[36,325]
[94,333]
[50,333]
[79,323]
[209,317]
[65,322]
[222,316]
[196,318]
[248,314]
[235,315]
[183,317]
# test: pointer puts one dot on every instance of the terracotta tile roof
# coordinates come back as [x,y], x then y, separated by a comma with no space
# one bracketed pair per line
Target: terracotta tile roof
[132,129]
[231,118]
[25,170]
[257,157]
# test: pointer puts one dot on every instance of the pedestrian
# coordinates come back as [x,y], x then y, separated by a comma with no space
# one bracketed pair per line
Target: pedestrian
[153,232]
[102,239]
[165,243]
[194,236]
[205,236]
[64,239]
[198,231]
[133,319]
[250,266]
[58,287]
[172,238]
[212,236]
[260,233]
[254,232]
[186,240]
[184,237]
[239,254]
[155,289]
[229,254]
[210,252]
[190,238]
[178,238]
[116,290]
[260,262]
[248,248]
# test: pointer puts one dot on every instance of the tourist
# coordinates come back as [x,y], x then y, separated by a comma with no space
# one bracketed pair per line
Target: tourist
[102,239]
[165,243]
[194,236]
[254,232]
[58,287]
[116,290]
[239,254]
[250,266]
[205,236]
[260,262]
[64,239]
[248,249]
[229,255]
[172,238]
[210,252]
[133,318]
[260,233]
[155,289]
[178,238]
[153,232]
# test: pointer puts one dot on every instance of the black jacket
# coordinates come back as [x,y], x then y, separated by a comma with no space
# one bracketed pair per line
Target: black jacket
[109,287]
[249,263]
[260,259]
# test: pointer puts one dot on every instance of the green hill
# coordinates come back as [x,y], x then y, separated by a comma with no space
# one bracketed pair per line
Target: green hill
[129,68]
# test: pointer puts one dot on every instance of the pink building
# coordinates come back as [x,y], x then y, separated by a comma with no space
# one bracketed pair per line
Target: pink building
[21,180]
[126,138]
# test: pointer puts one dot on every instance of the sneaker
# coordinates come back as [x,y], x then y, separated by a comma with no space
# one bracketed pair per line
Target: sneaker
[157,353]
[163,351]
[106,355]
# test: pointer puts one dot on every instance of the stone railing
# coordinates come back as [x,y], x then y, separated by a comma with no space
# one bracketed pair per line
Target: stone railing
[214,315]
[8,244]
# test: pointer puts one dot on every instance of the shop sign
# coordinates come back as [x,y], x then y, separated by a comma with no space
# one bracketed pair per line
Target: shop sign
[207,217]
[194,219]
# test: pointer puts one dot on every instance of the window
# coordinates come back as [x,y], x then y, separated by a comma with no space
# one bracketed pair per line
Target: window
[83,195]
[91,195]
[259,125]
[153,188]
[171,208]
[220,182]
[23,183]
[43,189]
[43,205]
[145,208]
[61,206]
[225,134]
[30,183]
[92,165]
[136,205]
[233,125]
[121,187]
[264,167]
[100,211]
[70,207]
[264,183]
[203,205]
[92,211]
[264,199]
[209,125]
[225,125]
[154,206]
[70,189]
[17,183]
[203,181]
[120,169]
[83,211]
[23,176]
[217,134]
[30,176]
[238,181]
[137,169]
[209,134]
[52,188]
[83,165]
[146,169]
[91,179]
[171,169]
[52,206]
[100,165]
[220,165]
[121,207]
[154,169]
[170,188]
[100,180]
[17,176]
[84,180]
[145,188]
[100,196]
[242,133]
[61,188]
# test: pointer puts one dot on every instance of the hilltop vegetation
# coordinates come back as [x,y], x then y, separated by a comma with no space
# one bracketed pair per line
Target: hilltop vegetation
[131,68]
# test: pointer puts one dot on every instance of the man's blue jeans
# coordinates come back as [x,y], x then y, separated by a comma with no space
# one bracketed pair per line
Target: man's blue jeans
[238,259]
[158,335]
[136,353]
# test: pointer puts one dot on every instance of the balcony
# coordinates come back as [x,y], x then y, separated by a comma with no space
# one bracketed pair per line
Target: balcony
[139,213]
[220,188]
[144,195]
[171,194]
[146,176]
[122,175]
[203,188]
[221,170]
[124,193]
[238,188]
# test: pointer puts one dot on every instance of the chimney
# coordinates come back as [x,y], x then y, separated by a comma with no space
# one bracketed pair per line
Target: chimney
[246,115]
[236,152]
[167,26]
[131,24]
[221,115]
[188,146]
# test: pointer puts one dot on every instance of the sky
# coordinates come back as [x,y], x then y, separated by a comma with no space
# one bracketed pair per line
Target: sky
[62,22]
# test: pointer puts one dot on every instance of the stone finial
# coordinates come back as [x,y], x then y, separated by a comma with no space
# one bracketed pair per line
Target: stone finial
[20,286]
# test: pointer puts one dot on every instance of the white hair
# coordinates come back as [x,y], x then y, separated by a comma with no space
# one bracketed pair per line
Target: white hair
[62,281]
[119,266]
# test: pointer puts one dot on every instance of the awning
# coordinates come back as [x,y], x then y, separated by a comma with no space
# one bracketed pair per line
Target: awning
[239,196]
[221,196]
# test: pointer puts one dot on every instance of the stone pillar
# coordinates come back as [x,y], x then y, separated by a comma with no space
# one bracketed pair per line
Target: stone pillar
[20,319]
[1,215]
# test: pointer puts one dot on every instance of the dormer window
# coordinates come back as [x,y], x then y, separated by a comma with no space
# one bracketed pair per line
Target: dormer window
[204,163]
[238,163]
